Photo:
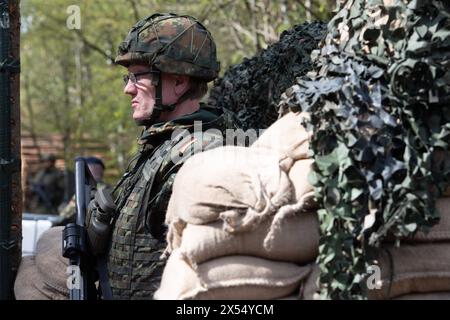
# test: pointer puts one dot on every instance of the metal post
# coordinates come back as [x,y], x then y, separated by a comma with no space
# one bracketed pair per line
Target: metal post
[8,165]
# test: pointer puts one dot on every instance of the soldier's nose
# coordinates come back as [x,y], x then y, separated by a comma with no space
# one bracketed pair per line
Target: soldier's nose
[130,88]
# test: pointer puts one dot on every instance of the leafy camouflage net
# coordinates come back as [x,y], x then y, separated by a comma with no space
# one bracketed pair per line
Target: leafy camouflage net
[380,115]
[252,89]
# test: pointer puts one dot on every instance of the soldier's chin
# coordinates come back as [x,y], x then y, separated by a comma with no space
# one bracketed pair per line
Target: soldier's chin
[139,120]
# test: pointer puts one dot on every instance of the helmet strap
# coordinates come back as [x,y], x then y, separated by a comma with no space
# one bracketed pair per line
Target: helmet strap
[159,107]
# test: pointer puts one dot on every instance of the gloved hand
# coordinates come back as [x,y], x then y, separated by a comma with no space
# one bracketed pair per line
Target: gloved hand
[101,211]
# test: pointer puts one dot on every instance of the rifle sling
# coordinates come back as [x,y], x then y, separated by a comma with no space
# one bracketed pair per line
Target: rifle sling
[103,279]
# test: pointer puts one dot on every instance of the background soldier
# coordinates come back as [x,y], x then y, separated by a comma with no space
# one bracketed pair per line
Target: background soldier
[97,168]
[170,59]
[46,188]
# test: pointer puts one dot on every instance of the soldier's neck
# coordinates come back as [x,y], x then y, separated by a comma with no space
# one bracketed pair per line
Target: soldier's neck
[183,108]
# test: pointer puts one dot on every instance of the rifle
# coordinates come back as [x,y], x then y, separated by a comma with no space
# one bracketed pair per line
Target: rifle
[81,281]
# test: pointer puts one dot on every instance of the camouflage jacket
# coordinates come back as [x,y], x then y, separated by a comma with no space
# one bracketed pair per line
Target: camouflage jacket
[138,237]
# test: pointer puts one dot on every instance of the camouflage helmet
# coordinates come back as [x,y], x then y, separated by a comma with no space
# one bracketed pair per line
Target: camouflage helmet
[172,44]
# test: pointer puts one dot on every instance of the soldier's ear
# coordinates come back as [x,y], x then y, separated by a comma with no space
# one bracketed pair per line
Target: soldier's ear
[182,84]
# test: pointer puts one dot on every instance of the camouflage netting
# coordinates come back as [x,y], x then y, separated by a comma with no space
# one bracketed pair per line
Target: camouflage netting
[379,106]
[252,89]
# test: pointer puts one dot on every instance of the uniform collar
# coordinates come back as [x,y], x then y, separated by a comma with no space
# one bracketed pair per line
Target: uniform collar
[162,130]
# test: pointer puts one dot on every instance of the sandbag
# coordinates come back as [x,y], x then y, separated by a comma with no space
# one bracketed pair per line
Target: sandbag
[229,179]
[240,186]
[440,231]
[309,288]
[234,170]
[426,296]
[49,260]
[290,140]
[290,297]
[295,240]
[303,190]
[232,277]
[287,137]
[43,277]
[417,268]
[29,284]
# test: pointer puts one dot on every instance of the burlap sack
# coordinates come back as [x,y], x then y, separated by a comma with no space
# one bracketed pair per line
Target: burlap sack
[421,268]
[287,137]
[233,277]
[28,284]
[43,277]
[240,186]
[441,231]
[225,180]
[49,260]
[290,140]
[309,288]
[426,296]
[303,190]
[417,268]
[291,297]
[296,240]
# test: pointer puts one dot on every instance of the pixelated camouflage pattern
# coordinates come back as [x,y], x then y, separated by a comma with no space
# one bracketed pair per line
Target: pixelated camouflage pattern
[173,44]
[134,263]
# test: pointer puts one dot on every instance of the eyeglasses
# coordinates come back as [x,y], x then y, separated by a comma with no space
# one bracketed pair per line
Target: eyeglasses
[133,76]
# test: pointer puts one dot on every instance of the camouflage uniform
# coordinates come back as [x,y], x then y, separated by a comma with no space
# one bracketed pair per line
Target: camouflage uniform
[134,263]
[176,45]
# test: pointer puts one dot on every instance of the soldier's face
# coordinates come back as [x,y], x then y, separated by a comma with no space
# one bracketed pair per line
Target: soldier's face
[142,93]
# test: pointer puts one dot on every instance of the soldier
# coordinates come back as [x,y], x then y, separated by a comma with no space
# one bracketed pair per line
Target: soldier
[67,210]
[46,188]
[170,59]
[97,168]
